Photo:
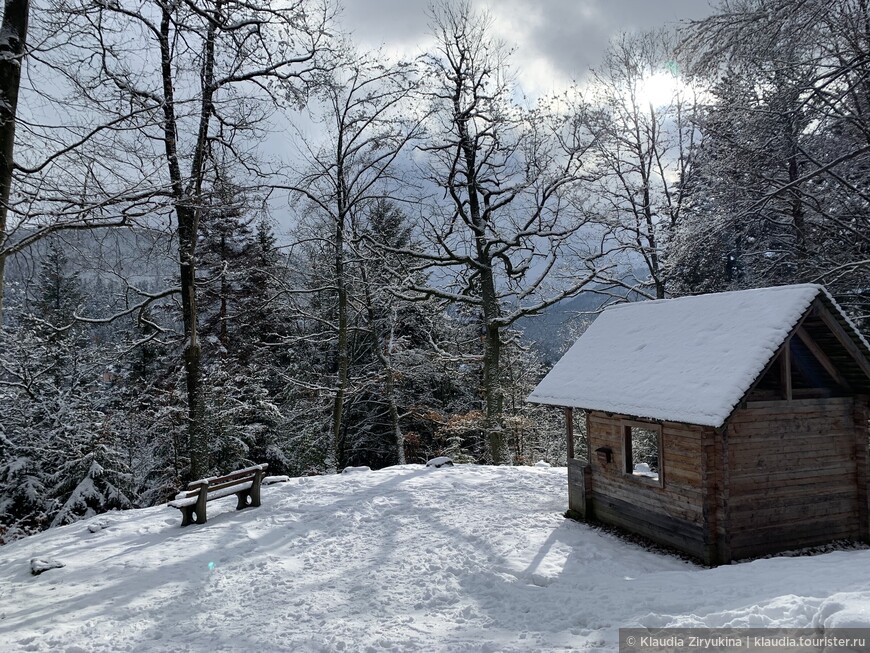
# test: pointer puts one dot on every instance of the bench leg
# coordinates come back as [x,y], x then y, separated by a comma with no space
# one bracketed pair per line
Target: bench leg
[192,515]
[250,498]
[186,515]
[199,507]
[255,488]
[243,499]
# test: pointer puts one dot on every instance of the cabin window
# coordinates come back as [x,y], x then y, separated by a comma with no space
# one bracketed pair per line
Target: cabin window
[643,451]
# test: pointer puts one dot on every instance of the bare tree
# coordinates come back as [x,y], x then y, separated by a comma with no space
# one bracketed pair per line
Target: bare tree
[62,143]
[506,174]
[190,84]
[368,126]
[13,42]
[644,114]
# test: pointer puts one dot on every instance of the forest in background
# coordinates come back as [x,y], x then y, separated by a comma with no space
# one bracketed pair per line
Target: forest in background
[156,328]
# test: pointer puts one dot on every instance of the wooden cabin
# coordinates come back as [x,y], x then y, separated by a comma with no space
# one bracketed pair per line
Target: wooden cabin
[728,425]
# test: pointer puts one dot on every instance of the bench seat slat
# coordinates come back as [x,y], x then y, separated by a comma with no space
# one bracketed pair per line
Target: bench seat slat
[181,503]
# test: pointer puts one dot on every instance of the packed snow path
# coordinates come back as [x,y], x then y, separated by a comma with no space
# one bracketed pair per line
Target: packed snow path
[405,559]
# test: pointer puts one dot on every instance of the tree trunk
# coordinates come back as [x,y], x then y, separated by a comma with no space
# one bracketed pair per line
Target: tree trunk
[224,336]
[390,391]
[797,205]
[645,162]
[384,357]
[496,451]
[197,436]
[186,200]
[653,256]
[387,362]
[13,37]
[394,418]
[342,355]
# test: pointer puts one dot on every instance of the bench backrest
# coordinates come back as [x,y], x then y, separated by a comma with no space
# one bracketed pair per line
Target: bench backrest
[215,483]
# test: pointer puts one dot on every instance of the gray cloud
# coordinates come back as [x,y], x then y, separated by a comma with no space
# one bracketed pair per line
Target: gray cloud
[578,32]
[570,35]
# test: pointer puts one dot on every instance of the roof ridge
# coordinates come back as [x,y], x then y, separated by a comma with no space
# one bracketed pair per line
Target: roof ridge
[846,318]
[690,360]
[650,302]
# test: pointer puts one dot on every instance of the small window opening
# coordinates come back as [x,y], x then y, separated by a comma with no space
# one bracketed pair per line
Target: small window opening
[643,452]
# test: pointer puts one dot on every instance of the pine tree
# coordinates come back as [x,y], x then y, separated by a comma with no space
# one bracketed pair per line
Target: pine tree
[240,323]
[61,459]
[91,476]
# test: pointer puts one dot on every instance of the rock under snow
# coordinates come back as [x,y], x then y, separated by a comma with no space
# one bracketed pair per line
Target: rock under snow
[271,480]
[542,463]
[41,565]
[98,525]
[440,461]
[354,470]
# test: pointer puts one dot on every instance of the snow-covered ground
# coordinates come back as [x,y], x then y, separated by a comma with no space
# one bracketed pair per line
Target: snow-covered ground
[462,558]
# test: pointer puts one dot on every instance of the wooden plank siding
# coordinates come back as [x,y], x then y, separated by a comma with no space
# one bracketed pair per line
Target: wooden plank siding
[579,488]
[793,475]
[714,481]
[788,468]
[675,513]
[861,418]
[779,475]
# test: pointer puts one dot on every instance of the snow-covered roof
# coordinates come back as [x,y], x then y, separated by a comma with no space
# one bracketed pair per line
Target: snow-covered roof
[689,359]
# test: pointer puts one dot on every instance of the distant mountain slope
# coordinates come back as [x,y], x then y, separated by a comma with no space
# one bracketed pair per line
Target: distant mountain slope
[555,329]
[144,257]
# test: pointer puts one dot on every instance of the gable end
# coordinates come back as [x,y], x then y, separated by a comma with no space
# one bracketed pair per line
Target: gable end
[824,350]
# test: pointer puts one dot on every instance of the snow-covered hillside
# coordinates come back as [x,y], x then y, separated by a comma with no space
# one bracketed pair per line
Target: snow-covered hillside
[404,559]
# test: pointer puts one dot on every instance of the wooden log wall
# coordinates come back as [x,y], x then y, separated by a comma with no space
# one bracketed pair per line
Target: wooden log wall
[779,475]
[715,483]
[793,472]
[862,462]
[579,488]
[673,513]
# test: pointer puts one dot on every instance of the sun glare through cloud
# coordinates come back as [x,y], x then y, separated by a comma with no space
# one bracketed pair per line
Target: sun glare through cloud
[659,89]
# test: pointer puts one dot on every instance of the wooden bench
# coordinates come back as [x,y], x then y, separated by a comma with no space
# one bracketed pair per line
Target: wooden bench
[245,484]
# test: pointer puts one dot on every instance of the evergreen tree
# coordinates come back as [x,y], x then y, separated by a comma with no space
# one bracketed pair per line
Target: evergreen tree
[90,476]
[60,459]
[240,270]
[786,148]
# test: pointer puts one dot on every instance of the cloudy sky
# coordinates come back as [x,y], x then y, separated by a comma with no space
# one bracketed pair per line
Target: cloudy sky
[556,40]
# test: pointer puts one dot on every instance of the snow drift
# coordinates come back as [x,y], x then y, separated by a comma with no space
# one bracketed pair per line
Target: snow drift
[465,558]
